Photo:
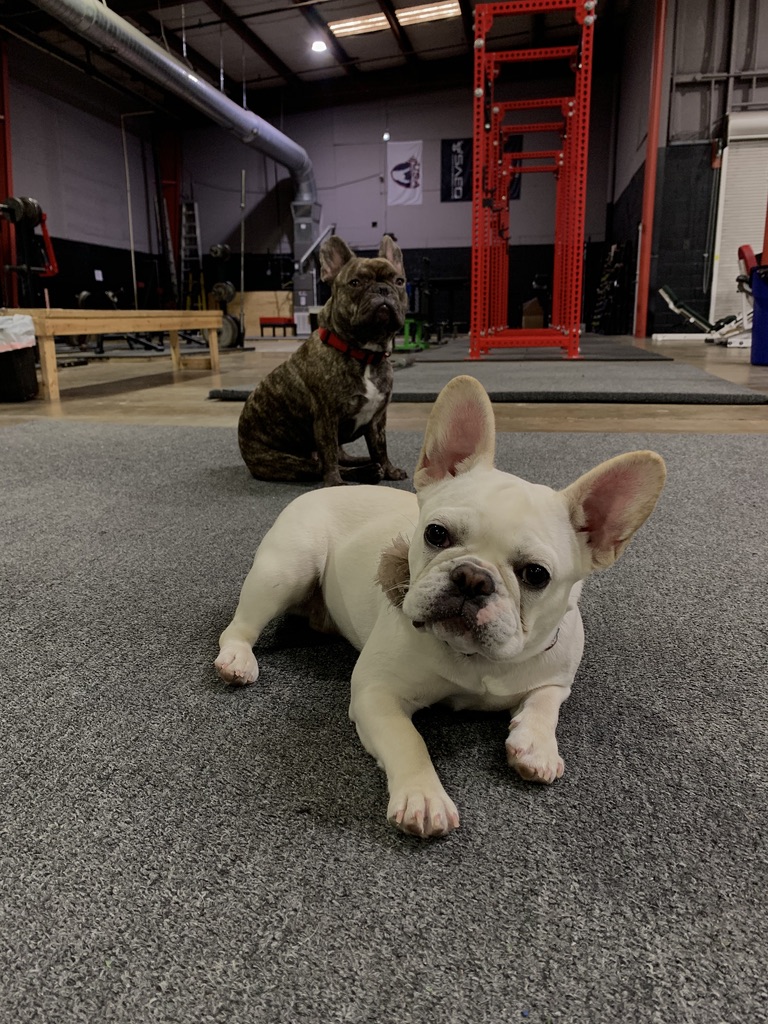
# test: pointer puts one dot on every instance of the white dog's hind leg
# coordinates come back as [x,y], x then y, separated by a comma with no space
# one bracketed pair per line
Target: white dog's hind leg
[282,577]
[532,743]
[418,804]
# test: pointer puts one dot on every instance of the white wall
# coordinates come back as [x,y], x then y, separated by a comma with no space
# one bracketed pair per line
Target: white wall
[213,164]
[71,161]
[69,156]
[349,158]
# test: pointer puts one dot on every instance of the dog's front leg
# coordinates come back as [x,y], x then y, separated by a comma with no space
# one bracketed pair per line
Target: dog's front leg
[532,743]
[326,430]
[284,575]
[418,804]
[376,439]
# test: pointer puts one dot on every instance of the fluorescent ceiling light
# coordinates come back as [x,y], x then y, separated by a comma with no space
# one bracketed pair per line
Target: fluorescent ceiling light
[429,12]
[407,16]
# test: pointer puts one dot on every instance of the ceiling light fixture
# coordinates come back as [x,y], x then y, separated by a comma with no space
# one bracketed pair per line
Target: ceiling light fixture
[407,16]
[319,46]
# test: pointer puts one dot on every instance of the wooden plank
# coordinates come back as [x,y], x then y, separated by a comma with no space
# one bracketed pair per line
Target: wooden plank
[63,322]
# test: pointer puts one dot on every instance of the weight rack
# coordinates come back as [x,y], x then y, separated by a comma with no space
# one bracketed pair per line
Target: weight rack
[493,171]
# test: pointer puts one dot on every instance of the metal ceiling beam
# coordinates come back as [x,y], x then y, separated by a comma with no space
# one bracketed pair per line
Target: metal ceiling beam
[388,83]
[401,36]
[249,37]
[468,21]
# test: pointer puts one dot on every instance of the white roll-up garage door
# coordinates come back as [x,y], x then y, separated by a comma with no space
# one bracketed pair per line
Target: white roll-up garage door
[741,207]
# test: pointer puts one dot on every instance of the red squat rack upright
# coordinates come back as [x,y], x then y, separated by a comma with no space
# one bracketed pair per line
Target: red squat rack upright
[494,170]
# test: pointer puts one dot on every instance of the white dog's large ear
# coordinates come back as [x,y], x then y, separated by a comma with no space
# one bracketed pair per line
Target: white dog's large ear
[334,253]
[460,434]
[611,502]
[390,250]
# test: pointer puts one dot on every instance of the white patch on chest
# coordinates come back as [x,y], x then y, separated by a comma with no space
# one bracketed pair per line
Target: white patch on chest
[372,402]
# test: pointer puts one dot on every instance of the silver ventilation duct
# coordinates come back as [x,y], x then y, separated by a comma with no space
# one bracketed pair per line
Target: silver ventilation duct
[95,22]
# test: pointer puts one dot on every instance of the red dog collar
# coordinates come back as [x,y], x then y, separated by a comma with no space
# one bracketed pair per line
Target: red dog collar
[363,355]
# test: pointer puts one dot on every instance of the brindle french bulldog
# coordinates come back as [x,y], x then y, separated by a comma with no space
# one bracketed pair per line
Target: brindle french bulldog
[335,388]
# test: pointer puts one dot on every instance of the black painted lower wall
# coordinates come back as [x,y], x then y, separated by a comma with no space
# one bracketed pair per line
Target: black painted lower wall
[683,233]
[439,279]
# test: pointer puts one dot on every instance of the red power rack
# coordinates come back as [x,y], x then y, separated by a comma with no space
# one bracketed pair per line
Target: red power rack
[494,170]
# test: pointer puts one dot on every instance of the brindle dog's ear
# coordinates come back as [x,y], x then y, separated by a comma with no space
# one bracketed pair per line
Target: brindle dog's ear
[390,250]
[393,575]
[334,253]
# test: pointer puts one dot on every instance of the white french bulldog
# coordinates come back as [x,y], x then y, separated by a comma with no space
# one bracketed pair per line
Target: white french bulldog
[466,592]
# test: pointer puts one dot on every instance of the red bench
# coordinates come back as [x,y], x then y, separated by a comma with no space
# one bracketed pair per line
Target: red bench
[285,322]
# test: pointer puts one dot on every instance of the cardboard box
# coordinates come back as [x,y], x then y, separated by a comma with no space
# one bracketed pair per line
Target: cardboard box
[533,314]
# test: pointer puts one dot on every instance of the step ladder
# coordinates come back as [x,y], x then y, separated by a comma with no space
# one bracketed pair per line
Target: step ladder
[192,283]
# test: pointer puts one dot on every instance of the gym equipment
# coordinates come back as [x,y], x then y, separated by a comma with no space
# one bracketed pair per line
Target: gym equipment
[104,299]
[734,330]
[691,315]
[35,260]
[232,333]
[495,167]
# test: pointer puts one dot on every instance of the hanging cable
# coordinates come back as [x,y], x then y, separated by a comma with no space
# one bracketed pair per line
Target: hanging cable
[242,72]
[221,56]
[162,27]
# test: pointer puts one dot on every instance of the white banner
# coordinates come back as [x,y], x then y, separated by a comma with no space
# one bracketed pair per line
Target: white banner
[404,173]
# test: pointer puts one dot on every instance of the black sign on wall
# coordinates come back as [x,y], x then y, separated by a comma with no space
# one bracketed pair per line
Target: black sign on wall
[456,168]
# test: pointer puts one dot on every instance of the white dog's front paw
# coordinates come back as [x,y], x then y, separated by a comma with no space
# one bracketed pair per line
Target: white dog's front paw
[237,665]
[533,755]
[423,811]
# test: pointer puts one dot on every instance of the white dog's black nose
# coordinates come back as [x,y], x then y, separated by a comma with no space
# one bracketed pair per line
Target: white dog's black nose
[472,581]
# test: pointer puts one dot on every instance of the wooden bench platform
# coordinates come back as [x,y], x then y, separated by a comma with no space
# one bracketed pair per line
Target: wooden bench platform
[53,323]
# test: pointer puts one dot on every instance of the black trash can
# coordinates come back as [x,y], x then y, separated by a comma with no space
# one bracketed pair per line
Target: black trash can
[18,379]
[759,281]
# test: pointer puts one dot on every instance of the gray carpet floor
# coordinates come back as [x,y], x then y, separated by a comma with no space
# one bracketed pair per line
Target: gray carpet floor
[175,851]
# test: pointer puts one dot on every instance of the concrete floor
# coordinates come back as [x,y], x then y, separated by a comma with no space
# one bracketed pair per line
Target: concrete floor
[145,390]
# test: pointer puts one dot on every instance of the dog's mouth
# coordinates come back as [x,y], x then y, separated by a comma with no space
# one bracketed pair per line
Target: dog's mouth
[385,312]
[461,632]
[468,627]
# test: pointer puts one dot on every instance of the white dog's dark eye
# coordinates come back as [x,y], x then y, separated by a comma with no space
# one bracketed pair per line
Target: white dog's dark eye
[437,536]
[535,576]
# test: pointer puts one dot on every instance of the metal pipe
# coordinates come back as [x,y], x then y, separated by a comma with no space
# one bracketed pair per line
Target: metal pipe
[138,113]
[651,163]
[242,255]
[97,23]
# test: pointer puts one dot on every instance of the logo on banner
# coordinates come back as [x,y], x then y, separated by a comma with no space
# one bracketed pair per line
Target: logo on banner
[407,174]
[404,173]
